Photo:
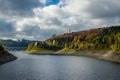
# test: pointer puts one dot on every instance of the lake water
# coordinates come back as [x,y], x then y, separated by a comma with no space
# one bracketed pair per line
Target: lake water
[50,67]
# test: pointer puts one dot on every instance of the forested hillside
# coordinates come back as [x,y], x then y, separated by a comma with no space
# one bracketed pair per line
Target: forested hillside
[5,56]
[95,39]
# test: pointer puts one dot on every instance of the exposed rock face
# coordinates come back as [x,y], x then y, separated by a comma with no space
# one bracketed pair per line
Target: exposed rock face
[5,56]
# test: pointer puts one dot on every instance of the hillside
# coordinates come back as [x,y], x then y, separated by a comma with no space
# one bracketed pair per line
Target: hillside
[15,43]
[101,43]
[95,39]
[5,56]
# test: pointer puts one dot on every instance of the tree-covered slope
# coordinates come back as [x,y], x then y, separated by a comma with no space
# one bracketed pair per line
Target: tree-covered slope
[5,56]
[95,39]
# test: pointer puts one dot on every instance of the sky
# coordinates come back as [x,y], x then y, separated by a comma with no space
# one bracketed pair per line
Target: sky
[40,19]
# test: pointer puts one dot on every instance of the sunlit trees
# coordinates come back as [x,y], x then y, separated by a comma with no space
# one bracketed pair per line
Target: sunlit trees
[94,39]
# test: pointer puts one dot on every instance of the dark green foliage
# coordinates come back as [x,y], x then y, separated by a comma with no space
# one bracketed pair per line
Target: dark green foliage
[5,56]
[2,47]
[108,40]
[42,46]
[94,39]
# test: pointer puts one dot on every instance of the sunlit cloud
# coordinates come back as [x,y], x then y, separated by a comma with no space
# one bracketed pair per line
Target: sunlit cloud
[40,19]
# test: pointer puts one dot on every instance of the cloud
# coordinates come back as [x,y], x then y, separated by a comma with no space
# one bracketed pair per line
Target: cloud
[104,8]
[6,27]
[36,33]
[18,7]
[53,17]
[31,19]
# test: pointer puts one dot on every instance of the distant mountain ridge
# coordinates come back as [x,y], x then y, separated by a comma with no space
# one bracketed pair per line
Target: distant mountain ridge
[107,38]
[15,43]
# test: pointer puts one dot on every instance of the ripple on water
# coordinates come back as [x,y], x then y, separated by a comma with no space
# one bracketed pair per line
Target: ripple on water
[36,67]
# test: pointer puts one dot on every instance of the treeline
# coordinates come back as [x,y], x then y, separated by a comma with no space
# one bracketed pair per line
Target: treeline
[94,39]
[18,43]
[42,46]
[108,39]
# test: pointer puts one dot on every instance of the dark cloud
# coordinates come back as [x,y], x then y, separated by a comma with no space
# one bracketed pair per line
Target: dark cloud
[104,8]
[7,30]
[6,27]
[31,30]
[18,7]
[37,33]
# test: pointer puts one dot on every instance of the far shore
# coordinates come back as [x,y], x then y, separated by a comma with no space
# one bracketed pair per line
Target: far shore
[112,56]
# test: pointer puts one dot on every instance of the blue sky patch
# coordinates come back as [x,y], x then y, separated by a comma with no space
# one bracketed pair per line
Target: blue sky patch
[52,2]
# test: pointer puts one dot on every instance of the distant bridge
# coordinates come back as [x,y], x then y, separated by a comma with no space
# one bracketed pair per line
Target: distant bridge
[16,48]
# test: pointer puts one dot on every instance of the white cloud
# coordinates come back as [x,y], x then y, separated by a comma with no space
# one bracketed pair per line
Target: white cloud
[55,17]
[43,1]
[75,14]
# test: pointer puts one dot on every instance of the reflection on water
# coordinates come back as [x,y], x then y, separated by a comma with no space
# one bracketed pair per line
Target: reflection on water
[49,67]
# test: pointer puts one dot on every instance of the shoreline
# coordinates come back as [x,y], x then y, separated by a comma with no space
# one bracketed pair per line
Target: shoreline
[111,56]
[6,57]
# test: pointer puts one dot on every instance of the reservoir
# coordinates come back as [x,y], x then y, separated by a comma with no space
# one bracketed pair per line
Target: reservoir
[53,67]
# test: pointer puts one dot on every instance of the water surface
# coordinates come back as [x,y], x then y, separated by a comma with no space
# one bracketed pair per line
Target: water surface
[50,67]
